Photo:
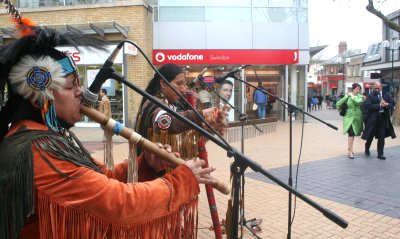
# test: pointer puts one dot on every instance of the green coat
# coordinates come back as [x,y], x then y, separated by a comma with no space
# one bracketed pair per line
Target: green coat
[353,115]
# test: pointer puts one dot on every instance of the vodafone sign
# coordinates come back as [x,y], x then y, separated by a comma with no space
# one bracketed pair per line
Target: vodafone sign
[208,57]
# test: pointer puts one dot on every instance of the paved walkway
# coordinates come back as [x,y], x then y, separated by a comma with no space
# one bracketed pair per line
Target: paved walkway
[363,191]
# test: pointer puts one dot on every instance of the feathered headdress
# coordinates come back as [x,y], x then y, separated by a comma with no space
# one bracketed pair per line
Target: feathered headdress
[32,68]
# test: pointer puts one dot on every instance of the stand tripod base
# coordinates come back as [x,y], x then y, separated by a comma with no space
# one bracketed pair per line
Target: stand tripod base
[253,225]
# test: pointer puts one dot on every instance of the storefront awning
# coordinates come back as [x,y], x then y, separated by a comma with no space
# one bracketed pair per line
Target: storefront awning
[329,78]
[333,85]
[101,29]
[313,85]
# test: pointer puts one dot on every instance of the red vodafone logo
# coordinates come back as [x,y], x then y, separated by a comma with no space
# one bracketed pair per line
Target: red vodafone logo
[159,57]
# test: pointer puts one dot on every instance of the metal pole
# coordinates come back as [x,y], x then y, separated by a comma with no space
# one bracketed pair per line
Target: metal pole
[392,55]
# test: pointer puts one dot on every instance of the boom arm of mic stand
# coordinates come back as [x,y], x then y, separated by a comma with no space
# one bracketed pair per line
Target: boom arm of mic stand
[244,160]
[287,103]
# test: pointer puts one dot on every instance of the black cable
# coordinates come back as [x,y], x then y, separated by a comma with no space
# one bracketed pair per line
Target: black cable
[297,168]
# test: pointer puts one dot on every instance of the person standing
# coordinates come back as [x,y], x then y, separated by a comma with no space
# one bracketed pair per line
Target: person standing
[314,102]
[104,106]
[353,119]
[204,98]
[261,99]
[377,119]
[320,100]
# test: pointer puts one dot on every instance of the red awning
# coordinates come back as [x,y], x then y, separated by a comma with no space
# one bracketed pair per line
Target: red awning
[314,85]
[333,78]
[333,85]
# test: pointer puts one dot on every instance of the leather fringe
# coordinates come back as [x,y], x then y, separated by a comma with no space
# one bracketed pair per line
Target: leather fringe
[132,164]
[58,221]
[108,150]
[185,143]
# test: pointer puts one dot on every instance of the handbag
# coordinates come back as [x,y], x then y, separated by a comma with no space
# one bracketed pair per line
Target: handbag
[343,109]
[255,107]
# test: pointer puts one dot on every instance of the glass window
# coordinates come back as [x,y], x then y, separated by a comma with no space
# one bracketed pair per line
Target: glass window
[302,15]
[228,14]
[181,14]
[230,3]
[276,14]
[276,3]
[155,14]
[114,90]
[181,2]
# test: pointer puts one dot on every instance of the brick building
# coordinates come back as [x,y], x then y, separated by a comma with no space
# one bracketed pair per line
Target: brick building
[113,21]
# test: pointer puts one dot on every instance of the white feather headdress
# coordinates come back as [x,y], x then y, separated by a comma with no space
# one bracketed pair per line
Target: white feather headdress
[37,78]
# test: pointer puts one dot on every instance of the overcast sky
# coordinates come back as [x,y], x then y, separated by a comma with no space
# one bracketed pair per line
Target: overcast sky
[333,21]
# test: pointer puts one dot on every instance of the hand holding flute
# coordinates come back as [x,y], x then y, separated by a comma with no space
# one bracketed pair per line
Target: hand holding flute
[159,164]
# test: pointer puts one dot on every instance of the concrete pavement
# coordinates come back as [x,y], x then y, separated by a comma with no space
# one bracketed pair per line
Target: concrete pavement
[364,191]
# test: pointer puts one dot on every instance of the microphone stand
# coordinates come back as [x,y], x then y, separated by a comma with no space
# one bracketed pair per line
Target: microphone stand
[241,161]
[291,109]
[243,118]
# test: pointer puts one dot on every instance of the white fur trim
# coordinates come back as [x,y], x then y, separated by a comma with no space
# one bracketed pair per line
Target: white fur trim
[19,73]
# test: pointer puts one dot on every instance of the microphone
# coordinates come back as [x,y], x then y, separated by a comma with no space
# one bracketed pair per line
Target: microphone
[200,76]
[220,79]
[90,95]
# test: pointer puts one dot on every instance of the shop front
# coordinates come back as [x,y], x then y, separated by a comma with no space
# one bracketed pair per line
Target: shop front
[266,66]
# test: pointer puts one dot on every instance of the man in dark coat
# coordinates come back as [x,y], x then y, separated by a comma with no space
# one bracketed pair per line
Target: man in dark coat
[377,119]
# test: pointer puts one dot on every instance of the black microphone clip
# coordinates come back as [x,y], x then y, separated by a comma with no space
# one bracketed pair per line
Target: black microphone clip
[199,77]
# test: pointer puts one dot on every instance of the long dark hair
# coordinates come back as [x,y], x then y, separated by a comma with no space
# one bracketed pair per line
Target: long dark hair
[169,71]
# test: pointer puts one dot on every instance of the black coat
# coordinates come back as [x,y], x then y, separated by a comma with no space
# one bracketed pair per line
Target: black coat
[371,108]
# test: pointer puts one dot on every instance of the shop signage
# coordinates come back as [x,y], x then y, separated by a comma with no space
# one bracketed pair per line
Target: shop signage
[87,57]
[207,57]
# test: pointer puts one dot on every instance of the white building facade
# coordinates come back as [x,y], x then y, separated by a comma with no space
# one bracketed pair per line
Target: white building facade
[272,35]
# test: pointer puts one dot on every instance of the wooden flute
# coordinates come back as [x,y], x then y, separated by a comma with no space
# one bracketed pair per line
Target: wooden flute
[137,139]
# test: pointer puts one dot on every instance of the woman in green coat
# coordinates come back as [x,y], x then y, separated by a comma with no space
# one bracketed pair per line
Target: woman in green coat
[353,120]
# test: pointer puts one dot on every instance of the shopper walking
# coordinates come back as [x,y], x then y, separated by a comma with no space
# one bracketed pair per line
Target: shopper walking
[377,119]
[352,120]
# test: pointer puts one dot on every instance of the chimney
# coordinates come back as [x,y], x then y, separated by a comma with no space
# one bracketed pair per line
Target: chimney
[342,47]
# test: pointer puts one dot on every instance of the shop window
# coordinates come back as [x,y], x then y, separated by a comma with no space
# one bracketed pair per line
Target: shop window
[113,87]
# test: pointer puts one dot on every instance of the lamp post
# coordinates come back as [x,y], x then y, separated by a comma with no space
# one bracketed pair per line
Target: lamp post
[395,46]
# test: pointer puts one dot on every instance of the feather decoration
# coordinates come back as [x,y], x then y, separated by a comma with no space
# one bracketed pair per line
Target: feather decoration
[24,26]
[19,78]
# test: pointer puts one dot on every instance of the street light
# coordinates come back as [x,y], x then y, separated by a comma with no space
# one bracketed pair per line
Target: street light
[395,46]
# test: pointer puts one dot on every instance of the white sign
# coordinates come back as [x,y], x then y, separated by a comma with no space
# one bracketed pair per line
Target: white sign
[86,57]
[91,74]
[130,49]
